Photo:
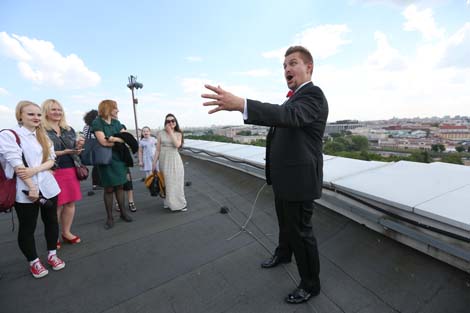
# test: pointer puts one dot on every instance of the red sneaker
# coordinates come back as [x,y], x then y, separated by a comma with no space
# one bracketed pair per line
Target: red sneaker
[55,262]
[38,270]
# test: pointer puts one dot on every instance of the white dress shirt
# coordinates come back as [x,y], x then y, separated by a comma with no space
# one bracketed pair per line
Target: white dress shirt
[11,156]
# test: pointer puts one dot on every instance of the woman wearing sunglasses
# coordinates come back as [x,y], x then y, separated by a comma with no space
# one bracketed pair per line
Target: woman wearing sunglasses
[171,165]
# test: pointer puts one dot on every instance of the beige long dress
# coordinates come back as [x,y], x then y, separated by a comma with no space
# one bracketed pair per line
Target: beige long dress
[172,168]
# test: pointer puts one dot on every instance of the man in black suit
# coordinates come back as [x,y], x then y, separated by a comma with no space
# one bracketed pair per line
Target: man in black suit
[294,162]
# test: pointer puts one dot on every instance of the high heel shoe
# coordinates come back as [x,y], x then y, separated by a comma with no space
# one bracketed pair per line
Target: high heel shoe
[72,241]
[109,224]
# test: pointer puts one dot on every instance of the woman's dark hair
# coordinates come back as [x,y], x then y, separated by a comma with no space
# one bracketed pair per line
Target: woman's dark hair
[90,117]
[177,127]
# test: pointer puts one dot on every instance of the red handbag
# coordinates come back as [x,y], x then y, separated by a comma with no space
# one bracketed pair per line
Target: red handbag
[82,171]
[7,186]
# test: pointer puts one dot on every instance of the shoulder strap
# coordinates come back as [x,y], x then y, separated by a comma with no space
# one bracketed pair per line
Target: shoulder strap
[18,141]
[63,142]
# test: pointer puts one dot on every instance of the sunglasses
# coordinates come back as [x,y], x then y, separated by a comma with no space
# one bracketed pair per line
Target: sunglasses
[170,121]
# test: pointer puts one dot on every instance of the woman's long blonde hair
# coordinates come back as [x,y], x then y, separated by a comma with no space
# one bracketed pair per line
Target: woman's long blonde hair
[41,135]
[46,108]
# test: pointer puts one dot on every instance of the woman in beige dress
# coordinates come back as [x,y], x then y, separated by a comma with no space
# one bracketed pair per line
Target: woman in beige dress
[170,164]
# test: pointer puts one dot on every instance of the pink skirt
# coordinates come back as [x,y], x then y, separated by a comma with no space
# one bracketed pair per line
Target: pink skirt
[69,185]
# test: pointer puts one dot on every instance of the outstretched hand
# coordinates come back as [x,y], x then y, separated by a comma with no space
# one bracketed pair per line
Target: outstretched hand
[224,100]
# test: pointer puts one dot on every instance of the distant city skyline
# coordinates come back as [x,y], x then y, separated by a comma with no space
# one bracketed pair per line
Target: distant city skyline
[374,59]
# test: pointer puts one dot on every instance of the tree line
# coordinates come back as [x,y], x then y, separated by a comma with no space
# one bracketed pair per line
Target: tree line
[357,147]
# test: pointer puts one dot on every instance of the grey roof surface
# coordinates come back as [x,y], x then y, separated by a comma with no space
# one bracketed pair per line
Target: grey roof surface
[438,191]
[184,262]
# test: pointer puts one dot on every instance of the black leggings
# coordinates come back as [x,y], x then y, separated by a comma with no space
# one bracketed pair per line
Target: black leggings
[28,216]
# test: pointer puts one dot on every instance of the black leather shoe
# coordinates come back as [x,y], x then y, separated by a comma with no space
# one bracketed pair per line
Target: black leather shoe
[126,218]
[300,295]
[275,260]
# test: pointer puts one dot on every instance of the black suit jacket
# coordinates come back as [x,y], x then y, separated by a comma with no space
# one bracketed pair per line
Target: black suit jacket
[294,159]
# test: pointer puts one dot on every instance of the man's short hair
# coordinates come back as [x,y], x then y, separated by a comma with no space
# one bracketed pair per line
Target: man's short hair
[304,53]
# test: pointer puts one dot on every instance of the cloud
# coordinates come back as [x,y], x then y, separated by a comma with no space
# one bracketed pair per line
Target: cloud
[4,109]
[457,49]
[275,54]
[323,41]
[256,73]
[3,92]
[421,21]
[386,2]
[385,57]
[7,116]
[39,62]
[432,80]
[193,59]
[194,86]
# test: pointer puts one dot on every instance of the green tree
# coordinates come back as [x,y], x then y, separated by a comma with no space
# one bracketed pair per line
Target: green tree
[454,158]
[333,147]
[420,156]
[438,148]
[359,143]
[218,138]
[459,149]
[259,143]
[244,133]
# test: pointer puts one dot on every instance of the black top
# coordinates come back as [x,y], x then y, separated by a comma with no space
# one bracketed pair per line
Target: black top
[69,138]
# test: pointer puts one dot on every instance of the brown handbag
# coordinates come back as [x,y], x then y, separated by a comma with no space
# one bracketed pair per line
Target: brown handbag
[82,171]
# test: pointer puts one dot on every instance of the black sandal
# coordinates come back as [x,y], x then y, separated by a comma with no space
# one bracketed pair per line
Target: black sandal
[132,207]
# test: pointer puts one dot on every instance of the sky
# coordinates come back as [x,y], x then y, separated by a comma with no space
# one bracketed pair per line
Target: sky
[374,59]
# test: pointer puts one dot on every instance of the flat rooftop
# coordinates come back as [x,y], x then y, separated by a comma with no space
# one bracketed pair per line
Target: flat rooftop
[199,261]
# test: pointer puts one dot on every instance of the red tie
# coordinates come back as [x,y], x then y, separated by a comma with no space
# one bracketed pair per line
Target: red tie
[289,94]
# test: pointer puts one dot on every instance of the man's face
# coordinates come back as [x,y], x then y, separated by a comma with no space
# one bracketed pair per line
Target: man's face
[296,71]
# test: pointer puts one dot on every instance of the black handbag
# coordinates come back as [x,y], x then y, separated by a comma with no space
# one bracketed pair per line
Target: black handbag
[95,154]
[154,187]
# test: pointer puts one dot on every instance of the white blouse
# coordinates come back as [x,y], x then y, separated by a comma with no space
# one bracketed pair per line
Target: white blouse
[11,156]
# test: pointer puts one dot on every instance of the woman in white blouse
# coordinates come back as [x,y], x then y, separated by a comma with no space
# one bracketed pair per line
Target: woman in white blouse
[36,188]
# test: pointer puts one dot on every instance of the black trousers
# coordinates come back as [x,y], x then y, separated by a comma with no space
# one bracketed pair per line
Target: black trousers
[27,217]
[95,177]
[296,236]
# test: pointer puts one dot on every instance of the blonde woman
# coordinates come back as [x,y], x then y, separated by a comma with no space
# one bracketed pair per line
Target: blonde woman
[113,176]
[34,182]
[67,146]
